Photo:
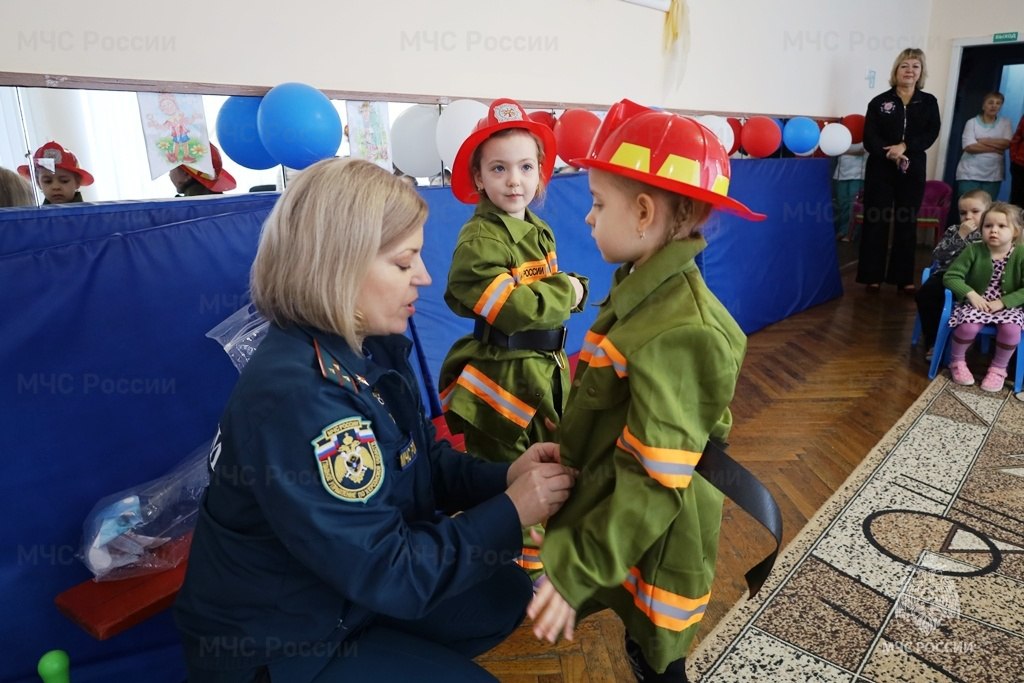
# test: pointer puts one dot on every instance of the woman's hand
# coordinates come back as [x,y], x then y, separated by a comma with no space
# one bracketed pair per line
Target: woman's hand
[552,616]
[894,152]
[534,455]
[538,488]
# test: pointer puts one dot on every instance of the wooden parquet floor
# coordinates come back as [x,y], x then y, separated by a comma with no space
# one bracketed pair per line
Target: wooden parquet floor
[816,393]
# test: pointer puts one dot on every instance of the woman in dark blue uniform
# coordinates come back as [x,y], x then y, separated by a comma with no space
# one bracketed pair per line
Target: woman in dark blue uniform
[327,546]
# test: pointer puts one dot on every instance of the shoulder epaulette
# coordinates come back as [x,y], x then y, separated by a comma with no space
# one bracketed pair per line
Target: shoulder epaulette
[332,370]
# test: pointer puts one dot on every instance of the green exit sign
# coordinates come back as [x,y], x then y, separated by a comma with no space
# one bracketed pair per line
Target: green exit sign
[1007,37]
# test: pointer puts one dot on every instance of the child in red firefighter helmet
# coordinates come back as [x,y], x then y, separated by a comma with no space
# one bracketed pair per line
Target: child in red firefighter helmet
[657,372]
[502,385]
[57,174]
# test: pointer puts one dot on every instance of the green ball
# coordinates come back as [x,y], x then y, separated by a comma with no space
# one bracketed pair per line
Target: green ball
[53,667]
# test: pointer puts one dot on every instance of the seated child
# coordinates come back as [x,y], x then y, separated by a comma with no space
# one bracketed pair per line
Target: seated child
[931,297]
[61,182]
[987,281]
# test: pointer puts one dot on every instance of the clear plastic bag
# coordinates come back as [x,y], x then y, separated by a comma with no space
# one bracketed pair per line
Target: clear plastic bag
[240,333]
[147,528]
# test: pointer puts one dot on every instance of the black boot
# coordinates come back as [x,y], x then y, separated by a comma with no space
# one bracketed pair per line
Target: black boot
[674,673]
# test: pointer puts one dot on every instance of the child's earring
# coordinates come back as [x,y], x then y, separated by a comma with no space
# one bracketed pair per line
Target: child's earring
[642,233]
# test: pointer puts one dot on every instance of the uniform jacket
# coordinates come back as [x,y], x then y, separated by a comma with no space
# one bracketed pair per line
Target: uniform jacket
[505,271]
[972,271]
[639,533]
[323,506]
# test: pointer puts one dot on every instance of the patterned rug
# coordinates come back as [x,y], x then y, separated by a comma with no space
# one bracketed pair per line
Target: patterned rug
[912,571]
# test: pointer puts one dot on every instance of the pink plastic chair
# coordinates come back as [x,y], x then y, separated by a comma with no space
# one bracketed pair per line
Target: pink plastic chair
[934,209]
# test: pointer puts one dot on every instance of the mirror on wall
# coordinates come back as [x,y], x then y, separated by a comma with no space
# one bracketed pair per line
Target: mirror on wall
[104,129]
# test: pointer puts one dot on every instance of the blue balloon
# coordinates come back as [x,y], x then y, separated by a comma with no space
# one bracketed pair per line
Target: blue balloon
[298,125]
[238,135]
[800,135]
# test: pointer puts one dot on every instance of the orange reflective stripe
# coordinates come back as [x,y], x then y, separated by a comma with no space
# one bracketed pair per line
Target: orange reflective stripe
[552,262]
[530,559]
[670,467]
[446,395]
[599,352]
[493,298]
[663,607]
[503,402]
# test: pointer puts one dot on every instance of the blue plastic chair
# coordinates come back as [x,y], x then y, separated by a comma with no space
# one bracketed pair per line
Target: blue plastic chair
[943,351]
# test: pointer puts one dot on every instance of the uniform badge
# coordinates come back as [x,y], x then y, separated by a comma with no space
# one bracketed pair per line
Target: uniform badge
[408,454]
[349,459]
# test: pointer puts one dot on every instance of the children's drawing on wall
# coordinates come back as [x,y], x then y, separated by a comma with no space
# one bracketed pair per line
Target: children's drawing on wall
[175,130]
[368,132]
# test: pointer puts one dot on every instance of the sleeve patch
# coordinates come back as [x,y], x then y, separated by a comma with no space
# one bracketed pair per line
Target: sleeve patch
[349,460]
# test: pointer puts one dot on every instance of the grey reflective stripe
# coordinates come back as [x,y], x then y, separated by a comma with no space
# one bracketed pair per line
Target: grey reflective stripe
[680,469]
[494,396]
[662,607]
[495,295]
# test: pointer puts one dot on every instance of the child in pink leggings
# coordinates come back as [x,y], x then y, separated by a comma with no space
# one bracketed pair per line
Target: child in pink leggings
[994,267]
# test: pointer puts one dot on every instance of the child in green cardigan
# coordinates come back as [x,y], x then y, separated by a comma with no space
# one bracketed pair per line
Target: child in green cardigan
[987,280]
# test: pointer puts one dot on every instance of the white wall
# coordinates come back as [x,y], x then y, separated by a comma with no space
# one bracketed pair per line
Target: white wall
[747,56]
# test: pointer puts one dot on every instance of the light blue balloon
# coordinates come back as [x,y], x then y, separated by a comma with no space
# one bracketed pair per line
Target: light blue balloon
[238,135]
[800,135]
[298,125]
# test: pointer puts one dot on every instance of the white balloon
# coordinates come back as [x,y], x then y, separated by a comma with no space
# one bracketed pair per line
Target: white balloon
[719,125]
[413,149]
[835,139]
[455,124]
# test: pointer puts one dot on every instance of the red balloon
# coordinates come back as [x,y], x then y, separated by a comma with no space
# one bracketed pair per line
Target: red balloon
[544,117]
[761,136]
[574,130]
[855,122]
[737,129]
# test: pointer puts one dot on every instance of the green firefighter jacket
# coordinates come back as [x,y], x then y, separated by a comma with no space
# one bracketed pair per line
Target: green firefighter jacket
[505,272]
[639,533]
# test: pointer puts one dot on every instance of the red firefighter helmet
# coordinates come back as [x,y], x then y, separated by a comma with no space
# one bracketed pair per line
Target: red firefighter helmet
[63,160]
[220,181]
[665,150]
[502,114]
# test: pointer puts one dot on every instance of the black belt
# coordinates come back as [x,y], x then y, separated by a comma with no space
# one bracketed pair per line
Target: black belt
[736,482]
[537,340]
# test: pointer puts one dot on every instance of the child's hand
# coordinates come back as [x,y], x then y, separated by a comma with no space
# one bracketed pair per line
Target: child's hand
[577,289]
[552,616]
[976,300]
[968,226]
[996,306]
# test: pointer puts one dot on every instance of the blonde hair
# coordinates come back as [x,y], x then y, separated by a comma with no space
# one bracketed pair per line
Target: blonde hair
[910,53]
[979,194]
[320,239]
[1013,216]
[475,160]
[688,215]
[15,190]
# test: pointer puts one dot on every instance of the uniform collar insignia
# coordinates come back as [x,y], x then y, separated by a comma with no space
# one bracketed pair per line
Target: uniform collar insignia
[332,370]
